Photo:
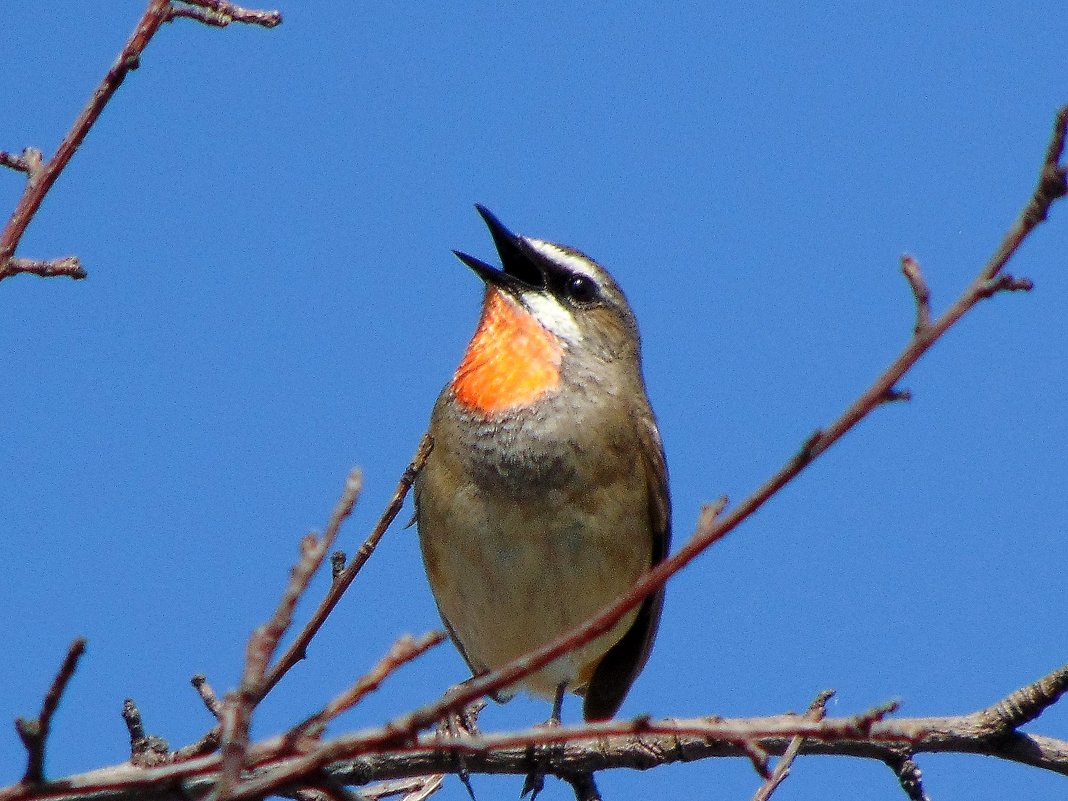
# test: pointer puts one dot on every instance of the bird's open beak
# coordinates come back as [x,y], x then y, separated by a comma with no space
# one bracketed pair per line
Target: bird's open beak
[520,271]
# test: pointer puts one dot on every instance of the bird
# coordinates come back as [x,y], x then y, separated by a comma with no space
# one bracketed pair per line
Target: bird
[545,494]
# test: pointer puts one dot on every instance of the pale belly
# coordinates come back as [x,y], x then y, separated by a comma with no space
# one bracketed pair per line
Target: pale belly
[509,575]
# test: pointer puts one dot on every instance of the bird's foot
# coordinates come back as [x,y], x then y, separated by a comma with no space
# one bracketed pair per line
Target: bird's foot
[462,724]
[534,782]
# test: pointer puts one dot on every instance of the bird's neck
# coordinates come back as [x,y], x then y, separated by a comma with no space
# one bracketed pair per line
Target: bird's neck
[511,359]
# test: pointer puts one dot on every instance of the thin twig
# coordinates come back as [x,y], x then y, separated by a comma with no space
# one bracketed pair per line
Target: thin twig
[401,653]
[410,788]
[207,744]
[920,292]
[146,750]
[817,710]
[296,650]
[220,13]
[908,776]
[207,694]
[236,714]
[1027,703]
[34,733]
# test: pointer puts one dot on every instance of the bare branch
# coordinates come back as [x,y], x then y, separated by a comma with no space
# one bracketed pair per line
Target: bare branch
[296,650]
[236,715]
[34,733]
[401,653]
[908,775]
[207,694]
[42,177]
[362,757]
[920,292]
[712,528]
[146,750]
[219,13]
[1028,702]
[817,710]
[29,162]
[412,789]
[69,266]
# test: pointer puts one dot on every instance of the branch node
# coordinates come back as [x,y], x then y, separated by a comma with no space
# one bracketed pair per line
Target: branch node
[809,450]
[219,14]
[1004,282]
[29,161]
[908,774]
[337,564]
[146,750]
[921,294]
[895,395]
[34,733]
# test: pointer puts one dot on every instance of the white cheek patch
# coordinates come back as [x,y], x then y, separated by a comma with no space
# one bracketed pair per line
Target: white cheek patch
[551,314]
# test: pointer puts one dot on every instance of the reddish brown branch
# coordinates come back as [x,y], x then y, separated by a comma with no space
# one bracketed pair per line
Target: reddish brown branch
[219,13]
[69,266]
[34,733]
[401,653]
[920,292]
[236,715]
[817,711]
[42,177]
[342,580]
[361,757]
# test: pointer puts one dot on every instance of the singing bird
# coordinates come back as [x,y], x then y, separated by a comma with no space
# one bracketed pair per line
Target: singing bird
[545,496]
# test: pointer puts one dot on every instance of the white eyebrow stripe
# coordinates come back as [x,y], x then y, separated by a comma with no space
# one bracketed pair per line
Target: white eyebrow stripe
[555,253]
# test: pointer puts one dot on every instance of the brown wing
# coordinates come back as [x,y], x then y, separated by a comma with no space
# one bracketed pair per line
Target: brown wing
[619,668]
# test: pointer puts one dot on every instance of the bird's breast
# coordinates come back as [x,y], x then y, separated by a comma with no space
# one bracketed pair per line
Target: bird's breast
[529,523]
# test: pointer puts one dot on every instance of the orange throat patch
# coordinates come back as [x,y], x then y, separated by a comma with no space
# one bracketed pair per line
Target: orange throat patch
[511,360]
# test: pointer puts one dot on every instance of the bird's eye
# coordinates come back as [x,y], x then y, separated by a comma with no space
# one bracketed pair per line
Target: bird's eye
[581,289]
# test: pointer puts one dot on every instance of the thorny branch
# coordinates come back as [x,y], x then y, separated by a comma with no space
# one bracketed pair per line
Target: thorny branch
[41,176]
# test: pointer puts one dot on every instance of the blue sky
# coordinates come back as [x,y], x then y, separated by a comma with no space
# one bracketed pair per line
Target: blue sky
[267,218]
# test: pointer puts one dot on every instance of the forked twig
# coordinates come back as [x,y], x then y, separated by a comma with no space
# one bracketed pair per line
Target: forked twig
[34,733]
[817,710]
[296,650]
